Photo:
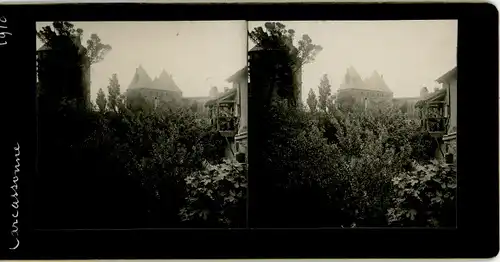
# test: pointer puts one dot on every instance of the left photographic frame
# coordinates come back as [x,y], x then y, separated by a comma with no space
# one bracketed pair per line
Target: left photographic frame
[148,125]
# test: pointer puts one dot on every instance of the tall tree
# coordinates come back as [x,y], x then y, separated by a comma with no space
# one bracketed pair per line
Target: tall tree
[330,104]
[277,36]
[101,100]
[312,102]
[95,49]
[114,97]
[324,92]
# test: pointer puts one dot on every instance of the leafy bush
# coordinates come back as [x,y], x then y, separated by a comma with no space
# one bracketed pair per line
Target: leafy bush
[299,165]
[336,167]
[373,148]
[163,148]
[425,196]
[125,155]
[295,146]
[217,194]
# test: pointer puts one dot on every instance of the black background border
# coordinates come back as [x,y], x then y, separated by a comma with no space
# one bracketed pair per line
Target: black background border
[478,200]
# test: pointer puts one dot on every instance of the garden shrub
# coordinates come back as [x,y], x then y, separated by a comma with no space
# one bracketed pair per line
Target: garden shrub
[335,168]
[374,146]
[425,196]
[124,155]
[217,194]
[299,164]
[295,146]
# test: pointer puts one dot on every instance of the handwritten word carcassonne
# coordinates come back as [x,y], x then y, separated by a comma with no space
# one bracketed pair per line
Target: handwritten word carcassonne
[15,204]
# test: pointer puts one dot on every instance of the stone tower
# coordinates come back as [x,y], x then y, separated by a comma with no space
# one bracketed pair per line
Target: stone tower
[63,71]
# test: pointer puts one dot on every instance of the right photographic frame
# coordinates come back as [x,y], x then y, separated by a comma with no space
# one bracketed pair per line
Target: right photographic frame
[357,123]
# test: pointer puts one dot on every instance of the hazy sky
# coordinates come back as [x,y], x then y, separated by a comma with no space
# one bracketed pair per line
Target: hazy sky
[409,54]
[198,54]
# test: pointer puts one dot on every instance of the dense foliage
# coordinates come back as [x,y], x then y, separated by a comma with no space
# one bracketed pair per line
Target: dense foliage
[124,167]
[217,193]
[121,162]
[425,196]
[333,164]
[337,168]
[128,163]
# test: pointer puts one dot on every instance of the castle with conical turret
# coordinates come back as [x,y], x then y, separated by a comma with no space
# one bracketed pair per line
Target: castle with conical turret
[162,89]
[369,91]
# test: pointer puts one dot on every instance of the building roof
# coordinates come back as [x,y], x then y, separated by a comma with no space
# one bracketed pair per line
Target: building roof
[260,48]
[406,99]
[377,83]
[44,47]
[352,72]
[439,94]
[229,93]
[62,40]
[256,48]
[198,98]
[165,82]
[434,96]
[447,76]
[242,73]
[353,80]
[141,79]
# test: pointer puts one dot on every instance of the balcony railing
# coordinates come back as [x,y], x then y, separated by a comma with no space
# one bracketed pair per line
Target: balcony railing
[436,125]
[227,125]
[434,119]
[222,115]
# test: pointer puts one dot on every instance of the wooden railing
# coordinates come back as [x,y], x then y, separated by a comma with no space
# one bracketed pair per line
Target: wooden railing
[436,125]
[434,119]
[227,125]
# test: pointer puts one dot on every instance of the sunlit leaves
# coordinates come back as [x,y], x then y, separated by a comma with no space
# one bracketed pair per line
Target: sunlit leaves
[426,192]
[96,50]
[223,185]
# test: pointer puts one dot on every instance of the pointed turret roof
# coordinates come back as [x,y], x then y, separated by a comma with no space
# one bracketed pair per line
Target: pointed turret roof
[353,73]
[377,83]
[141,79]
[165,82]
[352,79]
